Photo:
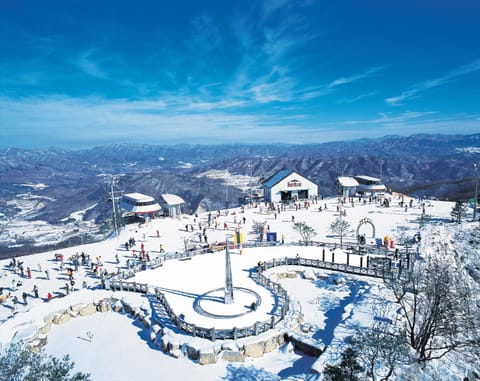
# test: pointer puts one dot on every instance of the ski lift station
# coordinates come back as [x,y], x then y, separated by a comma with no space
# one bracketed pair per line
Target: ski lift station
[171,204]
[369,185]
[286,185]
[139,204]
[347,186]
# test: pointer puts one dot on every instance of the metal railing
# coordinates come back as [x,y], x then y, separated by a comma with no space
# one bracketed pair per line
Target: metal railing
[117,282]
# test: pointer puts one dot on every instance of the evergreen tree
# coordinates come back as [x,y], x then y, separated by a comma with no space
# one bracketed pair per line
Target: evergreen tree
[347,370]
[19,362]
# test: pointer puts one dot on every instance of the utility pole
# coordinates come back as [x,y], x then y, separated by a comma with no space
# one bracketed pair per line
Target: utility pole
[112,195]
[475,197]
[116,223]
[250,183]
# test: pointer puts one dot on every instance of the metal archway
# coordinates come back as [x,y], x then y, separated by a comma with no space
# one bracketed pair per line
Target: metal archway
[364,221]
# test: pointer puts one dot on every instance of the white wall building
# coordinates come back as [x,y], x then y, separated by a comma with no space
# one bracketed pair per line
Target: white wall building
[347,186]
[369,185]
[139,204]
[171,204]
[288,185]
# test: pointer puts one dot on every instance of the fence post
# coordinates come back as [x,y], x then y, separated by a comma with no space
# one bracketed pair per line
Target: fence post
[368,261]
[235,333]
[361,262]
[194,330]
[348,258]
[272,322]
[323,255]
[256,328]
[333,257]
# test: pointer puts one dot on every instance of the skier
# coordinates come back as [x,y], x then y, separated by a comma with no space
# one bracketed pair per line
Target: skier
[15,301]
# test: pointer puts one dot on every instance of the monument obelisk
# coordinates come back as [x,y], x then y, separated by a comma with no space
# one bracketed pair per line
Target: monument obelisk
[228,277]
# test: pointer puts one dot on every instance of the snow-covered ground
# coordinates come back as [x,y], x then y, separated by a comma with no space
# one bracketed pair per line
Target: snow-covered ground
[113,346]
[242,182]
[25,227]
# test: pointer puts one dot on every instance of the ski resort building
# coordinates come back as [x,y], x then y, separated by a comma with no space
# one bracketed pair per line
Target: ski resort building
[171,204]
[369,185]
[286,185]
[347,186]
[139,204]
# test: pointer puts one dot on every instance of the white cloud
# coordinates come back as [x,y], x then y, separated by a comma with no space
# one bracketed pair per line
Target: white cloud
[419,88]
[89,121]
[87,63]
[355,78]
[359,97]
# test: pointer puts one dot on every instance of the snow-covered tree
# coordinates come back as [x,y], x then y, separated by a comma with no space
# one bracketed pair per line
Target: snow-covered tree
[458,211]
[340,227]
[305,231]
[436,303]
[381,347]
[347,370]
[19,362]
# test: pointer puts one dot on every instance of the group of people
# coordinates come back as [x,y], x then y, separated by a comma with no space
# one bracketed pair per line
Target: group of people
[70,267]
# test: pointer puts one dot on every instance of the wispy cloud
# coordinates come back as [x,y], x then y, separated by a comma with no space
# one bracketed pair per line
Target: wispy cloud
[89,64]
[359,97]
[419,88]
[165,120]
[355,78]
[391,118]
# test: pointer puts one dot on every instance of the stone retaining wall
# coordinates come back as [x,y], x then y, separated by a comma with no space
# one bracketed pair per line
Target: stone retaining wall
[39,339]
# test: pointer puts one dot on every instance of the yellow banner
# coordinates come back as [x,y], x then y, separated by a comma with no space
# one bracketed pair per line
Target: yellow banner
[238,238]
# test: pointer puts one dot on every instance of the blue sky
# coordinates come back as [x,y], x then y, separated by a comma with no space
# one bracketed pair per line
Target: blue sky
[78,73]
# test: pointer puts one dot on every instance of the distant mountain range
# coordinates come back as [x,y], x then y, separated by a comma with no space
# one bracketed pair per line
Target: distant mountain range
[49,185]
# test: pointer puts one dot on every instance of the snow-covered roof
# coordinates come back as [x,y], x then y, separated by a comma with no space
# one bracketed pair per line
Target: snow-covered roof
[172,199]
[345,181]
[139,203]
[277,177]
[367,178]
[139,197]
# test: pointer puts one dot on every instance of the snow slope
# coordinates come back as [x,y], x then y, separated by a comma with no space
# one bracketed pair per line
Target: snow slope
[112,346]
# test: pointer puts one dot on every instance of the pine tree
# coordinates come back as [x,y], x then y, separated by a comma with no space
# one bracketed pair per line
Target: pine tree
[347,370]
[19,362]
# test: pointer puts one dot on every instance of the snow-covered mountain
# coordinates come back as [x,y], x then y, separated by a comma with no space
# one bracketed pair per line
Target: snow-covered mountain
[47,186]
